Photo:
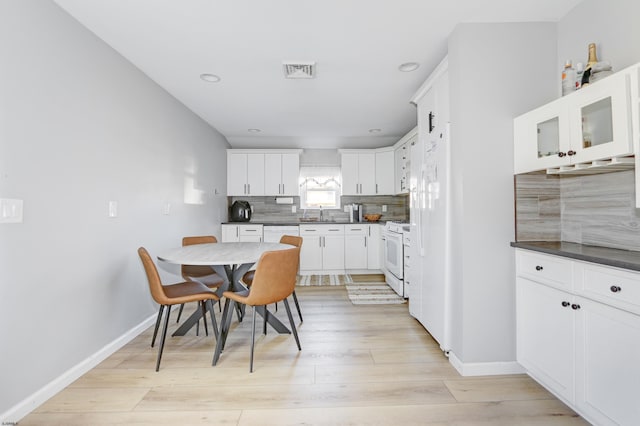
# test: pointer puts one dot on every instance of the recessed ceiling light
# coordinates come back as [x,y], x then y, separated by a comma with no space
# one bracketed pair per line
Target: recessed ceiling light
[409,66]
[254,130]
[375,130]
[210,78]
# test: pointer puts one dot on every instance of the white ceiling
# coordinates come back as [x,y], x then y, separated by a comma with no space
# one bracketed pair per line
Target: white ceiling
[357,44]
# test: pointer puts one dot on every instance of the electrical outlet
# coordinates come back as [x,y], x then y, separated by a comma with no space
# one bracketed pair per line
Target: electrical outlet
[166,208]
[293,209]
[384,208]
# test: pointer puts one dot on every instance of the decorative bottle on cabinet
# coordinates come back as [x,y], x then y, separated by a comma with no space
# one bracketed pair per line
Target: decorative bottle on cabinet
[593,59]
[568,78]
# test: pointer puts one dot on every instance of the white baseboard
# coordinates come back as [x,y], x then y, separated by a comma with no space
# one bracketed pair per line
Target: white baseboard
[14,414]
[485,368]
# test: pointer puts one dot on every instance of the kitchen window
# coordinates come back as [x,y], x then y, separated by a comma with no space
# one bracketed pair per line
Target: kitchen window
[320,187]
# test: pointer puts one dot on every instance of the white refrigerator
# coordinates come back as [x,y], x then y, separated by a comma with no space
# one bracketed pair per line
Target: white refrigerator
[430,219]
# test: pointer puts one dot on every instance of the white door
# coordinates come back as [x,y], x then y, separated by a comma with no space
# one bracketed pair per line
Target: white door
[545,335]
[374,245]
[350,183]
[385,172]
[290,174]
[311,253]
[236,174]
[355,249]
[333,252]
[600,120]
[255,174]
[272,174]
[230,233]
[607,356]
[367,173]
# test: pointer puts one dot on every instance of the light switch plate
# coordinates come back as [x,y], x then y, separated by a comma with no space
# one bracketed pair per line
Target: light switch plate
[113,209]
[11,210]
[384,208]
[293,209]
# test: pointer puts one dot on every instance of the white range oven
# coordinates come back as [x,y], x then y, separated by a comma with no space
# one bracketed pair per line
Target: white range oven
[394,255]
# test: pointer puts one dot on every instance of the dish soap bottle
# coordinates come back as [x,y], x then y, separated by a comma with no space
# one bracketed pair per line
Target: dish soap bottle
[568,78]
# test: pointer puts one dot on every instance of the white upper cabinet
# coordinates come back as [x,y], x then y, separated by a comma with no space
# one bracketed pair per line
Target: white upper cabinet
[384,159]
[591,124]
[262,172]
[245,173]
[402,154]
[281,173]
[367,171]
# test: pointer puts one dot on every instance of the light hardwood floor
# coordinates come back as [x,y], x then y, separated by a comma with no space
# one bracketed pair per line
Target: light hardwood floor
[358,365]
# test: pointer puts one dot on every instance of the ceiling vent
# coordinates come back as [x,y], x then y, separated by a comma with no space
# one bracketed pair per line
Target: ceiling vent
[299,69]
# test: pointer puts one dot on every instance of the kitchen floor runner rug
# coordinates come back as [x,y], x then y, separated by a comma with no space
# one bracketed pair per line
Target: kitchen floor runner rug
[373,293]
[329,279]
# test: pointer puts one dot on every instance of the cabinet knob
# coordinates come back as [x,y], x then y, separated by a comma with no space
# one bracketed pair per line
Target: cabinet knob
[539,268]
[615,289]
[561,154]
[565,304]
[571,152]
[575,307]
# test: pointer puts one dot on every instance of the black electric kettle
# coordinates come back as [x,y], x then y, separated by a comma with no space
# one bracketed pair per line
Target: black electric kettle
[240,211]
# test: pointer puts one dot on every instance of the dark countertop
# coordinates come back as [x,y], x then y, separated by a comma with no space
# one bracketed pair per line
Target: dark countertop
[626,259]
[296,223]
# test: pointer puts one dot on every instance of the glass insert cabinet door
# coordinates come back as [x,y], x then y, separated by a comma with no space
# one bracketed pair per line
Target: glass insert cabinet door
[600,120]
[542,137]
[548,137]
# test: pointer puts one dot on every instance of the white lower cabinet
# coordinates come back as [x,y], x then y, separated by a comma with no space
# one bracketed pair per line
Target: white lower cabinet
[322,248]
[582,340]
[362,246]
[608,371]
[241,233]
[546,341]
[355,246]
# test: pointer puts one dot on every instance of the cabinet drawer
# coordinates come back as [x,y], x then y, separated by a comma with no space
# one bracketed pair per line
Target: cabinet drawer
[614,287]
[545,269]
[310,230]
[251,230]
[356,229]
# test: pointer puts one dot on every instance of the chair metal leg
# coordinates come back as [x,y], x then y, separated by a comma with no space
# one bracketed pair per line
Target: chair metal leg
[204,317]
[264,321]
[164,335]
[253,338]
[295,300]
[225,322]
[155,330]
[214,323]
[293,326]
[180,313]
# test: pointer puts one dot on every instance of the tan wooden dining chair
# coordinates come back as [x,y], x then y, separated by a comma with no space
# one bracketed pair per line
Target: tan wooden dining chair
[174,294]
[203,274]
[274,281]
[293,240]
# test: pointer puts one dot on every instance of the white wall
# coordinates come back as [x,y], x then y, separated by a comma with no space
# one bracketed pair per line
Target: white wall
[79,126]
[496,72]
[612,25]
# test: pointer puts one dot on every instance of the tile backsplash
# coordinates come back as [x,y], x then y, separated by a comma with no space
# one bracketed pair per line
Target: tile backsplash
[265,209]
[595,210]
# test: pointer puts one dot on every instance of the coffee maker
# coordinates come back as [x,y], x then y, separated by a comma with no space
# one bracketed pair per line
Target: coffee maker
[355,212]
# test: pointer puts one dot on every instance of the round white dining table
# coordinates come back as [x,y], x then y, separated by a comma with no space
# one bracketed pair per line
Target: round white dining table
[231,260]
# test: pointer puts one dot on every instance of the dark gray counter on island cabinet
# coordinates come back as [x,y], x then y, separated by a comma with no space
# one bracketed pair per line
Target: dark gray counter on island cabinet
[626,259]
